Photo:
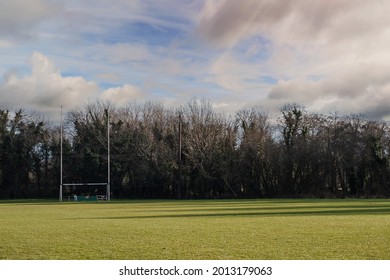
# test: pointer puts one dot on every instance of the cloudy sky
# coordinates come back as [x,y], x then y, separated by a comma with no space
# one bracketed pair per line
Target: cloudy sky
[329,55]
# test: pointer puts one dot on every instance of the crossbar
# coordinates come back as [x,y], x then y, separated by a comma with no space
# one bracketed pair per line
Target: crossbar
[86,184]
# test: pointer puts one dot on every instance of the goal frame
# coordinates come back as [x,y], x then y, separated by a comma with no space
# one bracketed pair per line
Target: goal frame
[108,183]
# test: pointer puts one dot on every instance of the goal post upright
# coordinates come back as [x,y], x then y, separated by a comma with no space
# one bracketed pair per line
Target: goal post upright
[61,136]
[108,158]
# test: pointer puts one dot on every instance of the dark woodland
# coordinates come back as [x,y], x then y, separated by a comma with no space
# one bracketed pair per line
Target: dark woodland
[247,155]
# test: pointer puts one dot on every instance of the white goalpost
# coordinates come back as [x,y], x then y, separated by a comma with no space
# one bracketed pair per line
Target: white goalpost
[107,196]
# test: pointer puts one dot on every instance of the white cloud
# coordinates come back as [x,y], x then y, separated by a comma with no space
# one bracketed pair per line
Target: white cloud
[18,17]
[232,74]
[45,89]
[225,72]
[122,95]
[4,44]
[125,52]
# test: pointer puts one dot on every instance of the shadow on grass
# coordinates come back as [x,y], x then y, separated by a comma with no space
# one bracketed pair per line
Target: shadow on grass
[286,213]
[29,202]
[269,208]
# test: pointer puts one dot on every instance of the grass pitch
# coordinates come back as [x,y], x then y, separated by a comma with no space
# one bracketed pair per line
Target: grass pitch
[212,229]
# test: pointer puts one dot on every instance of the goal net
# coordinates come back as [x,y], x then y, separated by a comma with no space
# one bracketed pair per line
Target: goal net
[85,192]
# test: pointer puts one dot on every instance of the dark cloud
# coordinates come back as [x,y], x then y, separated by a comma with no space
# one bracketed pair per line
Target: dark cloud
[365,89]
[343,43]
[225,23]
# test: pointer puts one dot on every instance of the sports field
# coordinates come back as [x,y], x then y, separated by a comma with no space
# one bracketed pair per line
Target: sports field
[197,229]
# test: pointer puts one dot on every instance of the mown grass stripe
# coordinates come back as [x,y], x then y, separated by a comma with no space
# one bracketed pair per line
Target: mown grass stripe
[203,229]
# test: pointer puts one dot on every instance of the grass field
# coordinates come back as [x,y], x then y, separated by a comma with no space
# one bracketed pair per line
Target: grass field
[205,229]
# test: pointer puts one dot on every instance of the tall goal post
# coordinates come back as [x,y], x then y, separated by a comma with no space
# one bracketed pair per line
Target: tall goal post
[108,184]
[61,136]
[108,158]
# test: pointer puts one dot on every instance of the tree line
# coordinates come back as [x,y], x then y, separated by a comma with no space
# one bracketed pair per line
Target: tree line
[195,151]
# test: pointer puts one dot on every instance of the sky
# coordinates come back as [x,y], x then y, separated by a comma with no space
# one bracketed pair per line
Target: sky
[328,55]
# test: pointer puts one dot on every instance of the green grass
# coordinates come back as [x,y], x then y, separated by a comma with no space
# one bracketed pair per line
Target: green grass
[212,229]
